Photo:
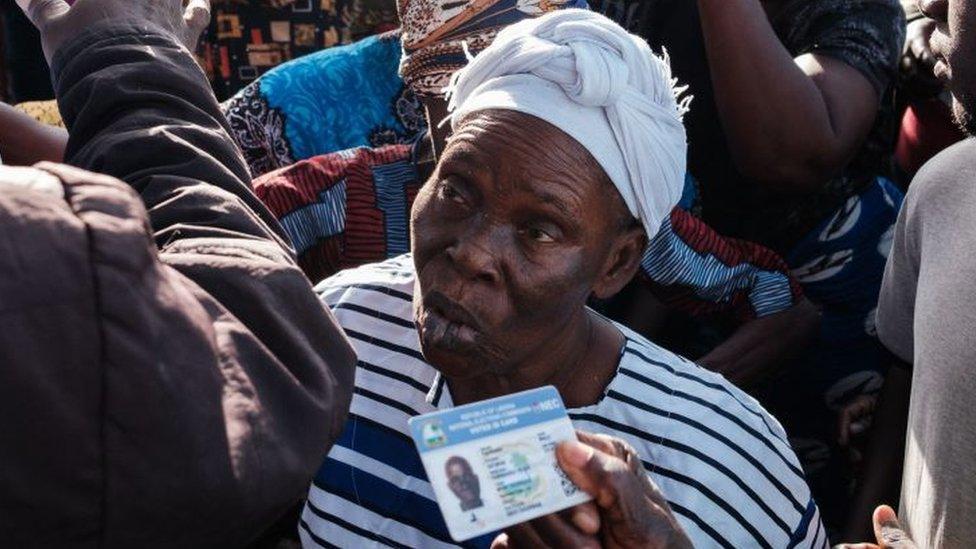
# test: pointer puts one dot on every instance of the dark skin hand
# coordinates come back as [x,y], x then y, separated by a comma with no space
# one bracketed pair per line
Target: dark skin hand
[792,124]
[507,255]
[627,510]
[887,531]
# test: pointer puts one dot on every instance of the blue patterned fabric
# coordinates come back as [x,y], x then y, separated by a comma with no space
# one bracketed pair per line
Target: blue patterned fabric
[333,100]
[840,265]
[339,98]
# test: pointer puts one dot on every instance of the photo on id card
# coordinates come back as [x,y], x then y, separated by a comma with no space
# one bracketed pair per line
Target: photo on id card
[492,464]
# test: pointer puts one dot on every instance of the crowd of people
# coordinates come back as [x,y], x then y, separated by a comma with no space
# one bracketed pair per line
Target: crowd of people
[245,242]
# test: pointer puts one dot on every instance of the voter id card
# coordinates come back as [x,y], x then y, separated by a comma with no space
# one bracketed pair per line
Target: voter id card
[492,464]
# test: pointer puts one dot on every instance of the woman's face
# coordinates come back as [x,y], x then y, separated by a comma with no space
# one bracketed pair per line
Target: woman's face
[509,235]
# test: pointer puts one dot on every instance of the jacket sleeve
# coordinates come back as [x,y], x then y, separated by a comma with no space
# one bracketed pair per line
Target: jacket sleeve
[227,379]
[693,269]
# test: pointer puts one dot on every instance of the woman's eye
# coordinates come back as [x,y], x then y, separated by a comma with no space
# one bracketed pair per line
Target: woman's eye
[539,235]
[448,191]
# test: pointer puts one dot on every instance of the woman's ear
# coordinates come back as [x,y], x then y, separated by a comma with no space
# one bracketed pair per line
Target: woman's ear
[622,262]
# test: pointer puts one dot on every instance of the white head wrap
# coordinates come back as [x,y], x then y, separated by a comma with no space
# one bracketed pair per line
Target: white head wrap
[584,74]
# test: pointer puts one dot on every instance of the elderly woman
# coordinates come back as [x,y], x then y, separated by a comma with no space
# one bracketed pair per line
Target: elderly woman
[492,300]
[348,208]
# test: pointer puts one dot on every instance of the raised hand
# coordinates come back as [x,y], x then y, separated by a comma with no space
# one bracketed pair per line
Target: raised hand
[58,22]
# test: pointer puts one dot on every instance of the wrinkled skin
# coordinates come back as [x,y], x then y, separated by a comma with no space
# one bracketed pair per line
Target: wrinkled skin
[954,46]
[507,253]
[510,238]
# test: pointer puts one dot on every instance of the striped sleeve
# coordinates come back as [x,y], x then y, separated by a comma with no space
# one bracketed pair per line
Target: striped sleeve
[810,532]
[697,271]
[723,462]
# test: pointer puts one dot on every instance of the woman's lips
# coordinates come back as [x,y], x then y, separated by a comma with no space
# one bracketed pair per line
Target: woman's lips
[445,332]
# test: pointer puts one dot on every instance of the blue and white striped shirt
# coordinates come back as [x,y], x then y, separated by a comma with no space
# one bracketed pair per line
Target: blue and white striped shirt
[722,462]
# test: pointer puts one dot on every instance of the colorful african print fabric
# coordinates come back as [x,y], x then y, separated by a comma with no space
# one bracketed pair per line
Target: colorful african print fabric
[347,209]
[841,265]
[246,38]
[332,100]
[439,35]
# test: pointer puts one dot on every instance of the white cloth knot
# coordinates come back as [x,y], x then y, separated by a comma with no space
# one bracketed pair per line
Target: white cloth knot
[630,119]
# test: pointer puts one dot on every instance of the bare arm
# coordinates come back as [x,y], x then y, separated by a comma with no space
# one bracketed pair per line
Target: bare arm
[791,123]
[885,454]
[25,141]
[762,347]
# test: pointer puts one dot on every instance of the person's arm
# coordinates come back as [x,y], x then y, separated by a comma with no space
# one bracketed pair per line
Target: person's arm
[763,347]
[168,140]
[694,270]
[881,482]
[896,330]
[791,123]
[25,141]
[251,377]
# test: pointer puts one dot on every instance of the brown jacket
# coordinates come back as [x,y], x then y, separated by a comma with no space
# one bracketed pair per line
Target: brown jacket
[167,376]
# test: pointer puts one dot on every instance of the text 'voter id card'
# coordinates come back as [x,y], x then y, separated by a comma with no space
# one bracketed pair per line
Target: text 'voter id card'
[493,463]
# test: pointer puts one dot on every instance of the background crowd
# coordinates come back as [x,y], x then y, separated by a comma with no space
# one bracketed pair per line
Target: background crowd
[789,259]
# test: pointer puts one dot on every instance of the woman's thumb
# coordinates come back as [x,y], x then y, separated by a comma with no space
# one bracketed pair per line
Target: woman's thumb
[888,530]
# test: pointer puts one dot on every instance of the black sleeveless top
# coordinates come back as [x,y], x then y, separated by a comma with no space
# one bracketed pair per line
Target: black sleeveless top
[866,34]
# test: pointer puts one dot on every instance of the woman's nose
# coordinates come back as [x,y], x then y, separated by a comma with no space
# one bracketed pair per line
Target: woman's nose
[475,254]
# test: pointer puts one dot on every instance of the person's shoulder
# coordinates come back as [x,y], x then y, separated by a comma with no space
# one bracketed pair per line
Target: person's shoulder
[953,168]
[701,436]
[705,392]
[947,181]
[303,180]
[391,280]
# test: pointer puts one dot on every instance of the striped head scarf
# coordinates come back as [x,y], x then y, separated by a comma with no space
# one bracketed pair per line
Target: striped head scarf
[438,35]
